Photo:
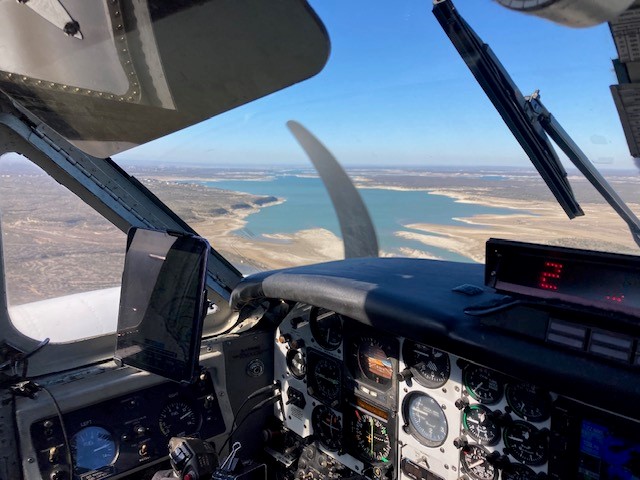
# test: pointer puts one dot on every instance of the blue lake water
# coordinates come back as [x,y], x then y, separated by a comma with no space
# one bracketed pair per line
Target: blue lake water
[308,206]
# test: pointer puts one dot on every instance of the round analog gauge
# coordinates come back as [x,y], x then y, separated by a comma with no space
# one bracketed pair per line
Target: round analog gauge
[327,427]
[477,421]
[518,472]
[326,328]
[526,443]
[425,419]
[92,448]
[475,462]
[324,378]
[431,367]
[374,361]
[484,385]
[371,437]
[296,363]
[529,402]
[178,419]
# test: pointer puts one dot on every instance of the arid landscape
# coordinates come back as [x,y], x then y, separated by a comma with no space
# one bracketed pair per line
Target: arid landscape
[54,245]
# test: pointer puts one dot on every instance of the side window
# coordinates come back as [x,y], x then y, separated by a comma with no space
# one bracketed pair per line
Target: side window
[63,261]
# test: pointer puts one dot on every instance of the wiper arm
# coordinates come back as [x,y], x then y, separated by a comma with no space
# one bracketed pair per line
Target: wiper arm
[510,103]
[539,113]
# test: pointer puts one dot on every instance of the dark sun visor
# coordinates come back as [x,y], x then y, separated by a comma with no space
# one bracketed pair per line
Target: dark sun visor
[109,75]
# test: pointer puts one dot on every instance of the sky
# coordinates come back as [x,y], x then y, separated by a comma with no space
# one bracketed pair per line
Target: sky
[395,92]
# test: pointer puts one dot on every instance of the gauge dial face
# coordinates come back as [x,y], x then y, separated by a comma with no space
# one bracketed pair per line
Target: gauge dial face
[297,363]
[529,402]
[526,443]
[475,462]
[431,367]
[374,361]
[327,427]
[477,420]
[324,377]
[484,385]
[178,419]
[518,472]
[425,419]
[326,328]
[93,448]
[371,437]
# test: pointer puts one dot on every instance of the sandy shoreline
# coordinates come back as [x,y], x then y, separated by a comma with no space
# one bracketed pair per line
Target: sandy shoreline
[532,220]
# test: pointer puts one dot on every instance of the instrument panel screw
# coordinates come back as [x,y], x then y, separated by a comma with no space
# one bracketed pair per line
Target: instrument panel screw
[31,460]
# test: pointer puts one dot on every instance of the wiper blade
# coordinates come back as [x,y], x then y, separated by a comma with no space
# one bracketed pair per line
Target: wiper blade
[510,103]
[570,148]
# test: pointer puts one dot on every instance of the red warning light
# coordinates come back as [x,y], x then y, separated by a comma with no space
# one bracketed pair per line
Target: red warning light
[615,298]
[550,276]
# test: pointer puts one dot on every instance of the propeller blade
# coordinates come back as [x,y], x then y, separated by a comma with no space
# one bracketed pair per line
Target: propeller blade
[358,233]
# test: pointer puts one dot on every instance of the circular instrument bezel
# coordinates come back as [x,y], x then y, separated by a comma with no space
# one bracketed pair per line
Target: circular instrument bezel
[188,410]
[474,377]
[322,386]
[433,378]
[493,430]
[536,408]
[111,441]
[414,428]
[517,471]
[526,443]
[377,431]
[329,442]
[479,452]
[323,339]
[366,356]
[292,353]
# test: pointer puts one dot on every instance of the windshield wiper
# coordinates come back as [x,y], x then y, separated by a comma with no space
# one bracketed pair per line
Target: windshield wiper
[539,113]
[509,101]
[529,120]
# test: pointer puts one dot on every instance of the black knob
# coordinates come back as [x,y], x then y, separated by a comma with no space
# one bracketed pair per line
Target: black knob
[209,401]
[405,375]
[460,442]
[462,403]
[58,474]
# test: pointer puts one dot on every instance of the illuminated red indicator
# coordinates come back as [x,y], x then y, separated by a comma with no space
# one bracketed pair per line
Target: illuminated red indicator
[550,276]
[615,298]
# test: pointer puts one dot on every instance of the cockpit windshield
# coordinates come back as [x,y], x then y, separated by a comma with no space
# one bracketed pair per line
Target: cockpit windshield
[433,161]
[389,98]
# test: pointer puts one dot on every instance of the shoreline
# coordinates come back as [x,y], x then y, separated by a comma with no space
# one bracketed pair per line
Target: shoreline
[535,221]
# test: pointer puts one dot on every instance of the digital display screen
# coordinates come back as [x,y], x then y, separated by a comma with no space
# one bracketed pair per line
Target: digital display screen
[602,280]
[607,455]
[162,303]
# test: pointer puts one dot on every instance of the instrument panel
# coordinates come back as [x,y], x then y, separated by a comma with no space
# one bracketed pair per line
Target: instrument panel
[390,407]
[126,432]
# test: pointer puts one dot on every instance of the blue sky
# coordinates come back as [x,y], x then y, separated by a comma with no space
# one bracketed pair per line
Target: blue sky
[395,92]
